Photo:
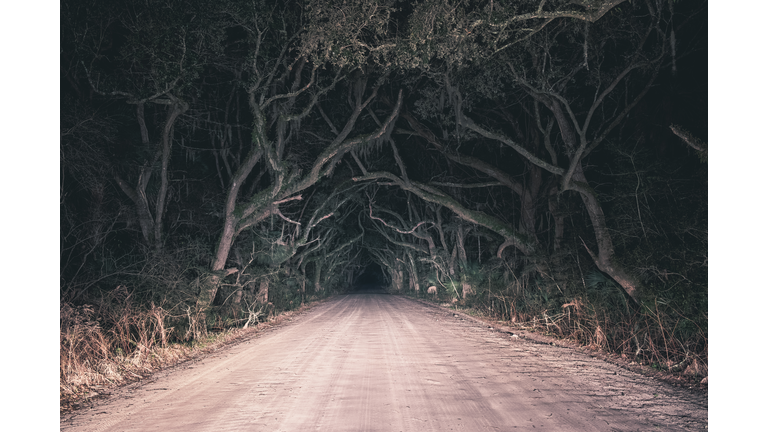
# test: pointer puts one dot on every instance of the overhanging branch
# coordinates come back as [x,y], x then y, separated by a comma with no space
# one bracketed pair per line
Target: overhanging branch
[433,195]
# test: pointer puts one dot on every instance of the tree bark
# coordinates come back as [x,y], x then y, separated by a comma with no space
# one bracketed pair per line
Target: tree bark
[138,194]
[528,201]
[263,295]
[318,274]
[397,276]
[152,227]
[466,287]
[460,233]
[413,275]
[604,259]
[559,219]
[178,108]
[574,179]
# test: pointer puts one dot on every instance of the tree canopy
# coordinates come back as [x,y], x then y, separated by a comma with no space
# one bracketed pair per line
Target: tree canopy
[558,146]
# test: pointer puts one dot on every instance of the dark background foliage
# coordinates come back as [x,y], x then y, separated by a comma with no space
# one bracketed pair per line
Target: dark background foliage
[240,140]
[544,163]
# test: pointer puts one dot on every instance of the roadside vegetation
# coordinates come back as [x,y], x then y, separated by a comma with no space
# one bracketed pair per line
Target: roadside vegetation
[150,320]
[225,163]
[665,328]
[667,331]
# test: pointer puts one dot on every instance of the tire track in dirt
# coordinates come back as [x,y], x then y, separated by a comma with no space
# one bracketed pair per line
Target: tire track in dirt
[374,362]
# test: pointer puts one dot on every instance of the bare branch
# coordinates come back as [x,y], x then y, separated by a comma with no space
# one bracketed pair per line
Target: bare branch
[469,123]
[593,14]
[293,93]
[337,148]
[424,132]
[688,138]
[430,194]
[327,120]
[359,163]
[467,185]
[293,198]
[131,98]
[370,213]
[277,211]
[399,161]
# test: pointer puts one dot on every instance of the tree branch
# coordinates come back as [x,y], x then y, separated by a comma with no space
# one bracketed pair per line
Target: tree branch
[411,231]
[430,194]
[467,122]
[468,185]
[688,138]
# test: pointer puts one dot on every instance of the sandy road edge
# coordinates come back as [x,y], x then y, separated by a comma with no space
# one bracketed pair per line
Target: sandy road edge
[675,380]
[117,391]
[292,316]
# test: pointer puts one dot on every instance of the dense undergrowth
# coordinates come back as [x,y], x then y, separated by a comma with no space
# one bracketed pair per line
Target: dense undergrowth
[152,318]
[660,236]
[146,316]
[667,330]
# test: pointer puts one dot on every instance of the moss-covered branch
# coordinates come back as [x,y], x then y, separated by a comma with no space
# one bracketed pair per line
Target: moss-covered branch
[434,195]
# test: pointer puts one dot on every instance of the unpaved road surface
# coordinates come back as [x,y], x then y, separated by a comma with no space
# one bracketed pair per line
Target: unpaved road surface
[376,362]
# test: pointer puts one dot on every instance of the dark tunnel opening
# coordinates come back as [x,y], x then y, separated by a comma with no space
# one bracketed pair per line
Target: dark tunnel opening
[372,279]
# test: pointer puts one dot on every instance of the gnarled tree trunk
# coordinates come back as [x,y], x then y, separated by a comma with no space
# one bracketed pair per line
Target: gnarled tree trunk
[604,259]
[263,295]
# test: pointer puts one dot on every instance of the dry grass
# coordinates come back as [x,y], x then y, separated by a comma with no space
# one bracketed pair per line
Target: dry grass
[649,335]
[113,342]
[104,347]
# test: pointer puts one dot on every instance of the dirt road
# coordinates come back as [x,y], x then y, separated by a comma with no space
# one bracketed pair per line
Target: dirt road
[376,362]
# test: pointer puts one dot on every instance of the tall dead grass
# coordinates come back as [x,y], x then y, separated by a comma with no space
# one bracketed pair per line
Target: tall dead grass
[654,334]
[113,341]
[648,336]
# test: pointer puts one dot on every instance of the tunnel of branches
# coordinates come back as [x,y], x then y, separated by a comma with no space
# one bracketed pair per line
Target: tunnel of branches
[516,157]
